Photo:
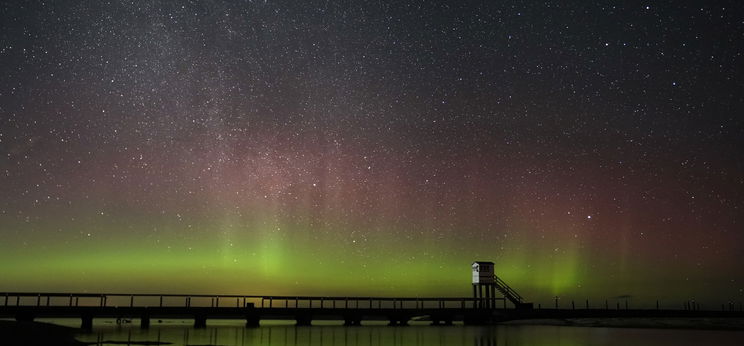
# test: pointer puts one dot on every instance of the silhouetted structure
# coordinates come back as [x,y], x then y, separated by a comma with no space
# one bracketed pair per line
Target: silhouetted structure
[486,281]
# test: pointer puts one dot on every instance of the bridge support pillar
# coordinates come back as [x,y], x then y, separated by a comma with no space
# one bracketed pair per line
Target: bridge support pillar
[303,321]
[86,322]
[488,297]
[352,321]
[200,322]
[145,322]
[441,321]
[476,318]
[481,297]
[252,321]
[481,302]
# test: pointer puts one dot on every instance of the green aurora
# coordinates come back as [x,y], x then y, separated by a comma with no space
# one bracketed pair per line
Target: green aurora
[373,148]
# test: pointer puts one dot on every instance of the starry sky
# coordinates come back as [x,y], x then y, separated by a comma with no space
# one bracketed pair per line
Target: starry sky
[590,149]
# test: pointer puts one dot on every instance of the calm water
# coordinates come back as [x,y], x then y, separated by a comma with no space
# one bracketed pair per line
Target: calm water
[234,334]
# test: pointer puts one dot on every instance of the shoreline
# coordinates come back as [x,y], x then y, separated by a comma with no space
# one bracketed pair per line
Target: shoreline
[37,333]
[682,323]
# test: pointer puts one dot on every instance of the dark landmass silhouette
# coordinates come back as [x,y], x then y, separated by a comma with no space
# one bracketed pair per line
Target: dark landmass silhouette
[26,333]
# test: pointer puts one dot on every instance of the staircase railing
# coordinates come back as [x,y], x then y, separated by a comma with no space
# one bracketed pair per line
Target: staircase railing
[507,291]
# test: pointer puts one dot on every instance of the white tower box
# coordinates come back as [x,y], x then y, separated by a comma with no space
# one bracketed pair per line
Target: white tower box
[483,272]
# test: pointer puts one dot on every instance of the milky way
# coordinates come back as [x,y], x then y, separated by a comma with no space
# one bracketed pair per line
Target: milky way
[377,147]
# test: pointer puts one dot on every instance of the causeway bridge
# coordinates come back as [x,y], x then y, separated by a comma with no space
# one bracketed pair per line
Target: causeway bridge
[24,306]
[487,305]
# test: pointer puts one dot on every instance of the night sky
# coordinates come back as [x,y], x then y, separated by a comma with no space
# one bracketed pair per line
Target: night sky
[373,147]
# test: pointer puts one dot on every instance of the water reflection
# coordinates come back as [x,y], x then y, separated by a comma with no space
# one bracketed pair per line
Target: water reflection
[286,335]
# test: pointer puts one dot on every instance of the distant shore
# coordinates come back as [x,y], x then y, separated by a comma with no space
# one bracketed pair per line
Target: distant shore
[639,322]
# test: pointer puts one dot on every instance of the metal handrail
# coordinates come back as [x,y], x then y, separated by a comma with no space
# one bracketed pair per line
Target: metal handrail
[508,292]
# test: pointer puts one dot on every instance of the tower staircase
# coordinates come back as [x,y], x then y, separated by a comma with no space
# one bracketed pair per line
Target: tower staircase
[510,294]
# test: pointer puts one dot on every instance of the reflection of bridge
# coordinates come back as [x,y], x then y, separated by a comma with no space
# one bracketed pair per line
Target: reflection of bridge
[252,309]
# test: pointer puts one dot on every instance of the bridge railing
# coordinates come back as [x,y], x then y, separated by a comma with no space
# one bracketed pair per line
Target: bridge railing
[231,301]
